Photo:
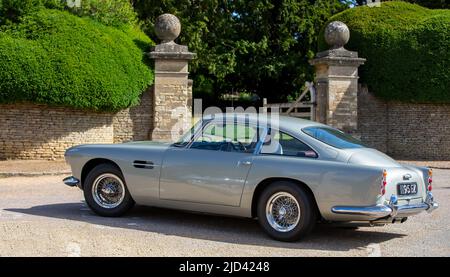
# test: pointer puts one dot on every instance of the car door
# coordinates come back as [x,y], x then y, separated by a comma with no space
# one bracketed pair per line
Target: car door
[213,168]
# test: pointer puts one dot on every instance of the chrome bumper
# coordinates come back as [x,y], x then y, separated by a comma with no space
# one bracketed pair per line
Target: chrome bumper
[71,181]
[388,211]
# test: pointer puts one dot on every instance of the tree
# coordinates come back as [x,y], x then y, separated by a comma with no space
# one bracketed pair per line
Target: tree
[253,46]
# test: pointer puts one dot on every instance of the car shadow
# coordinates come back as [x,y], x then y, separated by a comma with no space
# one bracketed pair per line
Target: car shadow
[213,228]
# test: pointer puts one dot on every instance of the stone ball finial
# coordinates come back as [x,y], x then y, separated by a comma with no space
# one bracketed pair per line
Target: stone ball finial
[167,27]
[337,34]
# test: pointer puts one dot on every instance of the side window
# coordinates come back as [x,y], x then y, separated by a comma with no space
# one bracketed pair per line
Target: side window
[229,137]
[279,143]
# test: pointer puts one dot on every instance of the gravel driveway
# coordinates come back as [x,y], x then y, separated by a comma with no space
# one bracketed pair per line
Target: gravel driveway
[40,216]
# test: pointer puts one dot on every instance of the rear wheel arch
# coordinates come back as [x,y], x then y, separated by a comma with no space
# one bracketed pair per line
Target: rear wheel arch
[266,182]
[91,164]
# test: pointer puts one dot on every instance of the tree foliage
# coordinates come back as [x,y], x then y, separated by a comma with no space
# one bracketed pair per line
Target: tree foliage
[251,46]
[108,12]
[407,50]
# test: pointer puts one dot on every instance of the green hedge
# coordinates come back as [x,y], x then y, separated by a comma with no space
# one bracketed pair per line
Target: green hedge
[54,57]
[406,47]
[108,12]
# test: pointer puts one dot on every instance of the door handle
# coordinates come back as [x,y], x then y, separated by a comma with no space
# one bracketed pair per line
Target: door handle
[245,163]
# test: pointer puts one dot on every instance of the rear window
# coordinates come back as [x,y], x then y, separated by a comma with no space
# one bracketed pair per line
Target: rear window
[333,137]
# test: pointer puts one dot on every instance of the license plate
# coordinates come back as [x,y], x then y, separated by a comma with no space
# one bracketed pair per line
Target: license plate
[407,189]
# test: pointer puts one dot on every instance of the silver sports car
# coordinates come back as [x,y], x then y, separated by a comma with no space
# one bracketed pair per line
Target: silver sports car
[288,174]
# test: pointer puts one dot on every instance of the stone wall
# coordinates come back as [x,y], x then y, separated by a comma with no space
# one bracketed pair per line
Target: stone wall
[135,123]
[372,120]
[29,131]
[405,130]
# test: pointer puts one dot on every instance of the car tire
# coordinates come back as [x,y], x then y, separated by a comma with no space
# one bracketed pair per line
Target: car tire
[286,211]
[105,191]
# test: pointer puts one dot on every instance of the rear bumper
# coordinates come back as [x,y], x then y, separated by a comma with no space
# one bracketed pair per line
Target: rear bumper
[387,211]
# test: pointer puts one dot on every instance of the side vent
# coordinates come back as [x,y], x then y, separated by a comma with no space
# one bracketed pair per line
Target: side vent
[143,164]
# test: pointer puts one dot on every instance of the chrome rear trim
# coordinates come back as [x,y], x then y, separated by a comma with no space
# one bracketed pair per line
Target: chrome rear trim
[377,211]
[430,202]
[391,210]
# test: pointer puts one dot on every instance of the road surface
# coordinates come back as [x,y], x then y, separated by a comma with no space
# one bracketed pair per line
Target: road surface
[40,216]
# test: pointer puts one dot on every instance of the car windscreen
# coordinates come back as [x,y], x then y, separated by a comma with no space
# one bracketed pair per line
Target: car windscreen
[333,137]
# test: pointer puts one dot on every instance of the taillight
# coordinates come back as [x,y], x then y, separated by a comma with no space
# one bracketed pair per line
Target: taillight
[430,179]
[383,183]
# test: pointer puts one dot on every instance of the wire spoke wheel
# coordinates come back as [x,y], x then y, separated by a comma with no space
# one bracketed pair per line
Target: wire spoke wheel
[283,211]
[108,191]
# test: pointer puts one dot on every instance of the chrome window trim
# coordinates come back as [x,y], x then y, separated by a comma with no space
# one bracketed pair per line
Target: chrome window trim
[200,127]
[294,136]
[196,127]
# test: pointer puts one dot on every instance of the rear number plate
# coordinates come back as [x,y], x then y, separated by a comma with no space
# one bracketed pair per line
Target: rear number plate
[407,189]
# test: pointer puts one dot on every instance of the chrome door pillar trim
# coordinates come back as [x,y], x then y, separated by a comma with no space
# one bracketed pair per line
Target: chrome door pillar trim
[198,130]
[260,143]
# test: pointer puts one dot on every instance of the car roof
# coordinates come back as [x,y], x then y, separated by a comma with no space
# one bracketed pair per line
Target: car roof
[287,123]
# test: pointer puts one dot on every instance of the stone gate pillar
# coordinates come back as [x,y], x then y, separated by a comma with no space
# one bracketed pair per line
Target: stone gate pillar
[172,89]
[337,80]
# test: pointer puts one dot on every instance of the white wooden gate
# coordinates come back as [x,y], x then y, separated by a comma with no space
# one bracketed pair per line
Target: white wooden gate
[299,108]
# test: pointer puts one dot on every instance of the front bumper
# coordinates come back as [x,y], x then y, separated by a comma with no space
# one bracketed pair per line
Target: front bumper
[71,181]
[388,211]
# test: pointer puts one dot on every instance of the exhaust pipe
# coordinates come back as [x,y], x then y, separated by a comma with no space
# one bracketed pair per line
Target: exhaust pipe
[399,220]
[388,221]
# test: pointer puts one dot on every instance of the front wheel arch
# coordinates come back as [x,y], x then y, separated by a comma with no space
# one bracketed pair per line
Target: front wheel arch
[90,165]
[266,182]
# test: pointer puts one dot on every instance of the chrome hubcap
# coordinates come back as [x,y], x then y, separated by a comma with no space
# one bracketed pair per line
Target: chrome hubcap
[283,211]
[108,191]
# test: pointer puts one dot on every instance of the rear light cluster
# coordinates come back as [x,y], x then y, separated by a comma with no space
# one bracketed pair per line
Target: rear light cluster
[430,179]
[383,183]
